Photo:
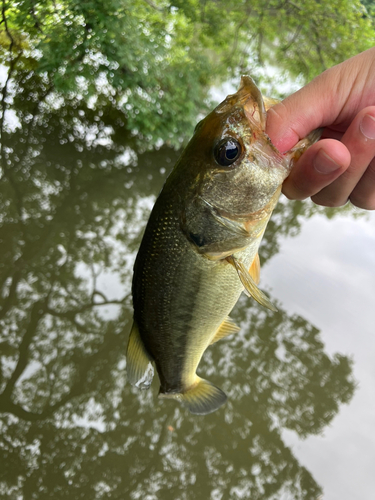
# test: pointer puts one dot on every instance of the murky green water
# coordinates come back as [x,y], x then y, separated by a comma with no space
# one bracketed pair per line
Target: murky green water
[72,212]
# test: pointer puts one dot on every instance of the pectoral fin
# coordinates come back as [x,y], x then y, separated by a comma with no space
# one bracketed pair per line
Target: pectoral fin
[250,285]
[227,327]
[138,361]
[254,270]
[201,399]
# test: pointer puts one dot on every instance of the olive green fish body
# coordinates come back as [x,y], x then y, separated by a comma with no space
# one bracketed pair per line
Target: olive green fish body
[179,322]
[199,250]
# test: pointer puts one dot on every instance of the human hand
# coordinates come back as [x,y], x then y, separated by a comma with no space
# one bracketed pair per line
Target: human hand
[340,166]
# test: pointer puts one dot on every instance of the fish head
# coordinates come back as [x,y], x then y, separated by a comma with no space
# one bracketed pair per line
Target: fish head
[246,170]
[229,176]
[230,162]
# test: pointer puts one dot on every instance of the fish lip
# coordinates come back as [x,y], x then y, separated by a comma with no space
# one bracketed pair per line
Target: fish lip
[249,98]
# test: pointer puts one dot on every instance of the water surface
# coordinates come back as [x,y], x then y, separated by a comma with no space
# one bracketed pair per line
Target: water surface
[299,418]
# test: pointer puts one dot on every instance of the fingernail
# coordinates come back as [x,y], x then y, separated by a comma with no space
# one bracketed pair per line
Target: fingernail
[324,163]
[367,126]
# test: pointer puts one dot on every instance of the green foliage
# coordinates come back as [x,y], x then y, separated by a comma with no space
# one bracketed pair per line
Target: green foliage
[154,61]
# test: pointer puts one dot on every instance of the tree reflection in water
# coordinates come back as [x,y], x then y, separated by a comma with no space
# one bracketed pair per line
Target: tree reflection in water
[73,205]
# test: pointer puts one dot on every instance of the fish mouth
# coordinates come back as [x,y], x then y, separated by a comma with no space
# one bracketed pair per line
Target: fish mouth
[248,97]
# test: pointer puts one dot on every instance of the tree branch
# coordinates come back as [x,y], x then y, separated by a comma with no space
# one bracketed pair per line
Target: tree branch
[77,388]
[37,312]
[7,406]
[73,312]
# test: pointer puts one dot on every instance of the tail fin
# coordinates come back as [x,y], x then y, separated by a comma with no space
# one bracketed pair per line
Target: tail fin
[201,399]
[138,361]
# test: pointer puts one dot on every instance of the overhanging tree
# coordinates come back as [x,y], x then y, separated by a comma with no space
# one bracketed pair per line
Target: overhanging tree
[152,62]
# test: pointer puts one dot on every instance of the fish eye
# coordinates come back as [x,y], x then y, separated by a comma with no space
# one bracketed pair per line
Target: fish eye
[227,151]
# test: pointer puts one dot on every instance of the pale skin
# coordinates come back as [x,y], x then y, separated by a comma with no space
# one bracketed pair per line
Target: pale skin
[340,166]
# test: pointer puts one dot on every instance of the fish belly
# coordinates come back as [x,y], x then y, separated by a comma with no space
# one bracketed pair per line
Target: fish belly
[182,299]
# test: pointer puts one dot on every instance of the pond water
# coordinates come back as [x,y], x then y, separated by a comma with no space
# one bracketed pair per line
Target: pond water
[299,421]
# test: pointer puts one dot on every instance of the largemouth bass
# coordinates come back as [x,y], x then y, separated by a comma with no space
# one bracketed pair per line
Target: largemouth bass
[199,251]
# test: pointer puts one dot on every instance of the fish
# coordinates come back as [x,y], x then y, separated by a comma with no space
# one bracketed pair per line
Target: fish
[199,251]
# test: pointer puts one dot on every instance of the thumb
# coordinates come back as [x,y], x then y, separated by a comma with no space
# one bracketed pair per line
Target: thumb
[281,126]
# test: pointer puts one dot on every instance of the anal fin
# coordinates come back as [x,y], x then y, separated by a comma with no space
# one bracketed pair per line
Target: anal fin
[227,327]
[249,284]
[201,399]
[138,362]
